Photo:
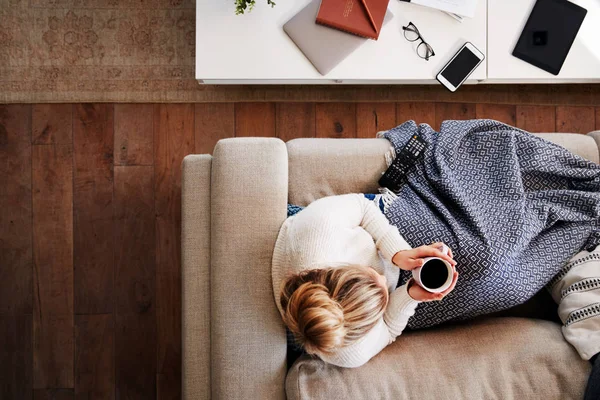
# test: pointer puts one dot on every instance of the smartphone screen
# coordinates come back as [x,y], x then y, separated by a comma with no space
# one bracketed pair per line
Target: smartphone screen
[460,67]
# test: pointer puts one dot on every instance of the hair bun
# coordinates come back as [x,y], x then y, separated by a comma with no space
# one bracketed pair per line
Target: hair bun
[329,308]
[317,318]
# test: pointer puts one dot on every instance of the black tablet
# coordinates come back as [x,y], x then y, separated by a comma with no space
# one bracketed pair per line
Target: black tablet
[549,34]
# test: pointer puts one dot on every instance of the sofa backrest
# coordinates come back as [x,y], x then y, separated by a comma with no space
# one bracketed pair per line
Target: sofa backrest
[326,167]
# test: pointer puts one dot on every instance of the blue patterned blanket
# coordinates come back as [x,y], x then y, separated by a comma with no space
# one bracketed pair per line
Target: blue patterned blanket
[513,207]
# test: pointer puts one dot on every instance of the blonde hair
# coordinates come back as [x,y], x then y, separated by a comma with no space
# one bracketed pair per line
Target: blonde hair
[329,308]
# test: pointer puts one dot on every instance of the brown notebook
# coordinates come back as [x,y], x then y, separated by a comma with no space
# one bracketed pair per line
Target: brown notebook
[350,16]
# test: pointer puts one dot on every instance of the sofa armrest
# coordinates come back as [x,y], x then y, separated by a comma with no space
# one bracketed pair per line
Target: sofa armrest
[596,136]
[195,271]
[248,205]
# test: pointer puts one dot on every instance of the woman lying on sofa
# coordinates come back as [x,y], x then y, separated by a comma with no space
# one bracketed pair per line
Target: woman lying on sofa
[340,289]
[341,266]
[336,266]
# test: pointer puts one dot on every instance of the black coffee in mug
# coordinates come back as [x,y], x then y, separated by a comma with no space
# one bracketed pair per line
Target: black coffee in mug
[434,274]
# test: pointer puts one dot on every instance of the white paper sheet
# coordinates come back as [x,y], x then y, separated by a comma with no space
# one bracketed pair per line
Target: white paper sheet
[465,8]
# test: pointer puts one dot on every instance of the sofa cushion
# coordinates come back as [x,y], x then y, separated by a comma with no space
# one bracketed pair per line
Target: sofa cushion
[583,145]
[507,358]
[326,167]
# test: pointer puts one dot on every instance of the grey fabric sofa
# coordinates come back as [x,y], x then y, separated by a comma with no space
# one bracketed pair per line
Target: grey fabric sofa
[234,343]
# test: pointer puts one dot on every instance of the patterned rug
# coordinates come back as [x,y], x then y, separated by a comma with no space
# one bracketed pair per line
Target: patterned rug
[144,51]
[99,50]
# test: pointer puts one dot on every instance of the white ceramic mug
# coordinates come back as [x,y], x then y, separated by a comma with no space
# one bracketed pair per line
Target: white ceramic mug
[416,273]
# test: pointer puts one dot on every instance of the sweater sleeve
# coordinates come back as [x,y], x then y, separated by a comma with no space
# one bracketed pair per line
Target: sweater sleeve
[386,236]
[400,308]
[350,211]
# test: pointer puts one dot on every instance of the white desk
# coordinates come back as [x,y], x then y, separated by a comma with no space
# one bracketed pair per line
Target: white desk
[254,49]
[506,20]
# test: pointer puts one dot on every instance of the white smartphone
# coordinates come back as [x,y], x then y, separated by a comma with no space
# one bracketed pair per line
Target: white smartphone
[460,67]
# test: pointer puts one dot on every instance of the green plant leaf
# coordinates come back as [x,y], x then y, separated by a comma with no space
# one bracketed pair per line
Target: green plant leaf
[242,5]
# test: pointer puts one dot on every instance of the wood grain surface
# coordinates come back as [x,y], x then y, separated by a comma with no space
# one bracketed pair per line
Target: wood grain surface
[374,117]
[134,143]
[16,354]
[499,112]
[295,120]
[174,139]
[95,357]
[52,124]
[53,266]
[53,394]
[255,119]
[575,119]
[15,210]
[214,121]
[135,283]
[93,208]
[336,120]
[536,118]
[421,113]
[444,111]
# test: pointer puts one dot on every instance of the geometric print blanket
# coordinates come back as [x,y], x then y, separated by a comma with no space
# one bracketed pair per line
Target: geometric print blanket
[513,207]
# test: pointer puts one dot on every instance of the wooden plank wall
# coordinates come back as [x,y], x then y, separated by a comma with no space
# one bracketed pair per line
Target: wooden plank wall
[90,291]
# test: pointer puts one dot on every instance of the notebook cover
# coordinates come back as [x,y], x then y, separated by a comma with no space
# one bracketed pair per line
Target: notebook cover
[323,47]
[549,34]
[350,16]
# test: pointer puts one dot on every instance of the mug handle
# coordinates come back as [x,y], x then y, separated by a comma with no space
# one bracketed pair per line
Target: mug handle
[445,249]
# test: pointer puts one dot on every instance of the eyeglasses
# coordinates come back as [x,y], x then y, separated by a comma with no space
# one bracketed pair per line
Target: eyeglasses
[412,34]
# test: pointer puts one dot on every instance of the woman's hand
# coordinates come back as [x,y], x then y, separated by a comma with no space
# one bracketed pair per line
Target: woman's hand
[411,259]
[418,293]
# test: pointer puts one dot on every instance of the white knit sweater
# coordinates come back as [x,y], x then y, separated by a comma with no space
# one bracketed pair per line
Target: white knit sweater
[346,230]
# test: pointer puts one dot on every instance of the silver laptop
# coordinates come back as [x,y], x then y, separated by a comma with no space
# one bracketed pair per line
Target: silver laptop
[324,47]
